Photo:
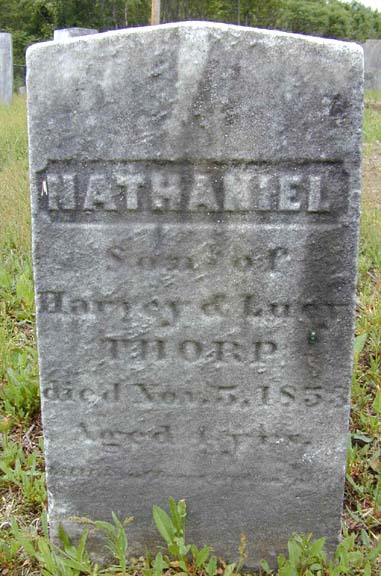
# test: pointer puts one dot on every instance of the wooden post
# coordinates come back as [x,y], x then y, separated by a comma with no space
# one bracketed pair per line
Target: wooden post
[155,12]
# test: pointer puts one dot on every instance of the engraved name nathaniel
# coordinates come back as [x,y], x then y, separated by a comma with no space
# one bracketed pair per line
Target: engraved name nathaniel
[190,188]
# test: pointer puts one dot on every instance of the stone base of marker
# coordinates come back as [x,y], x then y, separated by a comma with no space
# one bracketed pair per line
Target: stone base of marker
[6,68]
[195,199]
[68,33]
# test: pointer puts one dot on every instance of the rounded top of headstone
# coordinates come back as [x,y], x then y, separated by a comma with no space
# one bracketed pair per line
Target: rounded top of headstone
[188,51]
[5,40]
[194,28]
[65,33]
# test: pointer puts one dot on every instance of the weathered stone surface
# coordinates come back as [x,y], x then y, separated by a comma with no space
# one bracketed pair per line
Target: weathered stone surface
[6,68]
[68,33]
[372,64]
[195,195]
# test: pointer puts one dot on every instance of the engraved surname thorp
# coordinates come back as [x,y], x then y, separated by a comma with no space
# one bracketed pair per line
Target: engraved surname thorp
[190,350]
[200,188]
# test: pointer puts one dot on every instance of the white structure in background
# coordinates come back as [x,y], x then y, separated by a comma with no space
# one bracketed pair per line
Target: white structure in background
[6,68]
[67,33]
[372,63]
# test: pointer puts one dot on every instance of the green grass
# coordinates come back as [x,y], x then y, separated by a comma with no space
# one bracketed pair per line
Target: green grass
[14,196]
[372,126]
[372,96]
[24,546]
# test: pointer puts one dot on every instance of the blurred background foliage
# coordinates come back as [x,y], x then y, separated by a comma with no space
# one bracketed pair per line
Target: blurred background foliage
[34,20]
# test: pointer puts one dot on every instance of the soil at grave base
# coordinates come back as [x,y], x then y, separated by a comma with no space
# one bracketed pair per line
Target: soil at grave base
[30,438]
[371,176]
[373,105]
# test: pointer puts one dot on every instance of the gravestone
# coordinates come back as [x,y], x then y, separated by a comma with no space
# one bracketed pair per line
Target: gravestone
[68,33]
[372,64]
[6,68]
[195,199]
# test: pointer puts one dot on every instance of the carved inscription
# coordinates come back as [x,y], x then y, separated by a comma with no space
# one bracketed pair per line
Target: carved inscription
[83,395]
[261,260]
[169,312]
[204,188]
[205,439]
[147,394]
[72,474]
[229,395]
[199,192]
[135,437]
[189,351]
